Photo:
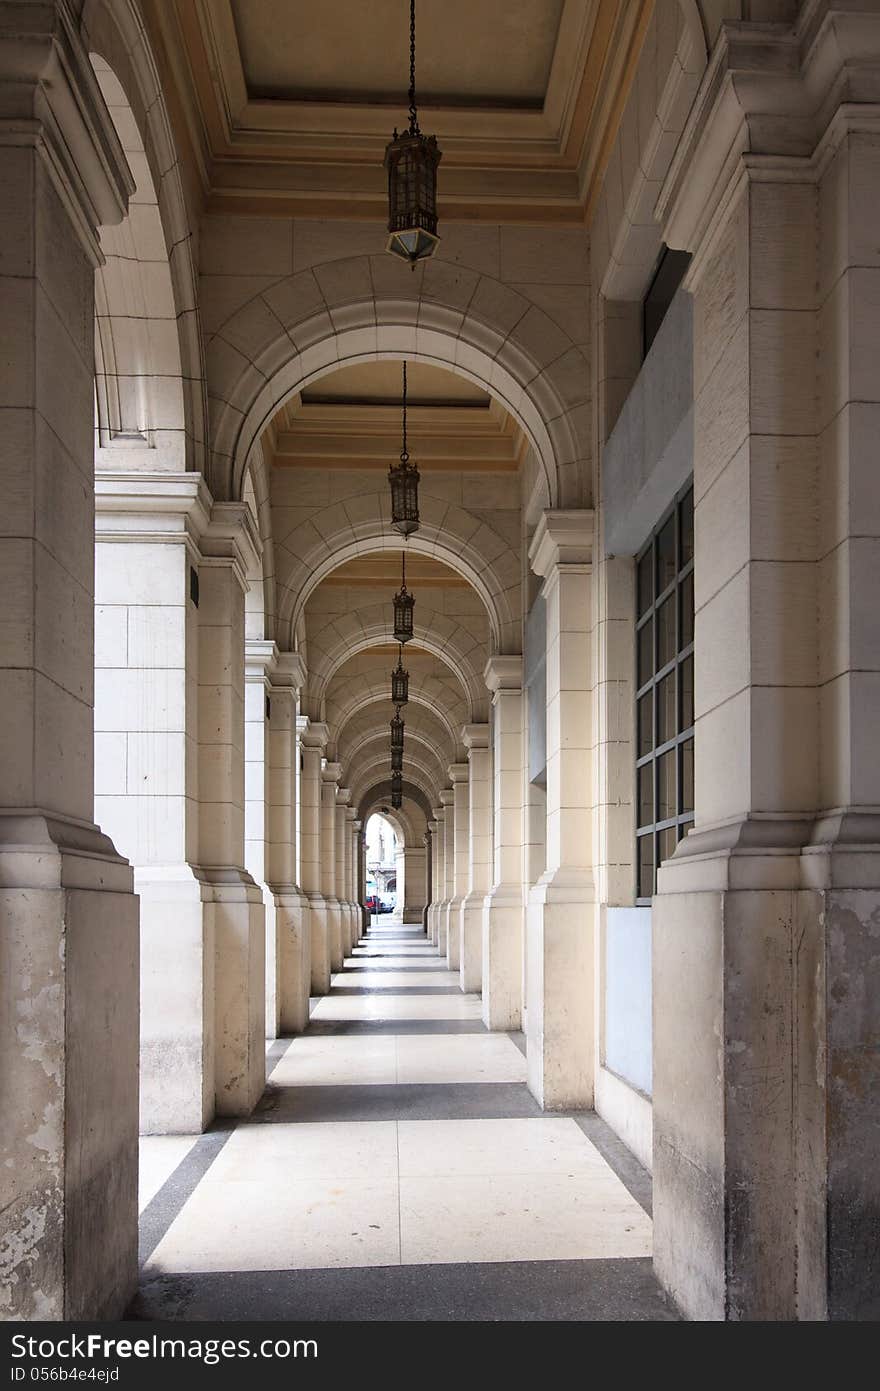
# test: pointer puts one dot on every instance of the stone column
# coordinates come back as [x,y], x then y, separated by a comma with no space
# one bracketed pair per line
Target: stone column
[330,776]
[233,903]
[261,658]
[447,817]
[313,739]
[503,906]
[353,827]
[765,942]
[362,878]
[458,774]
[343,805]
[561,905]
[68,1023]
[292,954]
[147,558]
[413,899]
[429,877]
[476,740]
[437,875]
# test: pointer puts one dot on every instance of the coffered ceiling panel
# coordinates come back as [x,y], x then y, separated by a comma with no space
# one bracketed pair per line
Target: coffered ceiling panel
[358,50]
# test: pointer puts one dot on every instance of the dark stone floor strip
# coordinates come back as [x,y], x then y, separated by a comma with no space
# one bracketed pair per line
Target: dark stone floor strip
[519,1039]
[631,1173]
[411,1101]
[324,1028]
[588,1291]
[343,990]
[161,1211]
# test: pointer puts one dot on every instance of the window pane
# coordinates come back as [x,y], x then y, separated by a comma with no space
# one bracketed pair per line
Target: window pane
[666,843]
[666,632]
[666,566]
[686,706]
[646,731]
[646,653]
[646,865]
[666,786]
[666,709]
[687,775]
[645,587]
[686,528]
[686,609]
[646,794]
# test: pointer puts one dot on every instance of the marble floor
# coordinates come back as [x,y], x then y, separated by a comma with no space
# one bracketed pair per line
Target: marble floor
[397,1167]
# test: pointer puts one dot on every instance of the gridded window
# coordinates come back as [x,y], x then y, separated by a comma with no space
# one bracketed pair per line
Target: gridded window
[664,691]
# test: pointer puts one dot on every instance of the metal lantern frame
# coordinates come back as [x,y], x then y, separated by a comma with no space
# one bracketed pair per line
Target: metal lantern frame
[404,603]
[400,682]
[404,480]
[397,790]
[411,160]
[397,760]
[397,728]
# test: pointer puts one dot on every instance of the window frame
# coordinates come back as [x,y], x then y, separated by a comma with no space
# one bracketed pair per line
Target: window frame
[682,819]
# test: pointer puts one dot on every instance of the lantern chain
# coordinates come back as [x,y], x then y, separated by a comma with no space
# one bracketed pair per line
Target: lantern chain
[413,116]
[404,453]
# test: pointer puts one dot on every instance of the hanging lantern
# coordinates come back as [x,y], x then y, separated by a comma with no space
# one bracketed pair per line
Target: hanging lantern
[404,603]
[396,760]
[400,683]
[411,160]
[397,733]
[404,480]
[397,789]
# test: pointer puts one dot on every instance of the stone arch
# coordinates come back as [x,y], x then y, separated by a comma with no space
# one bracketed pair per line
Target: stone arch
[421,717]
[447,533]
[170,415]
[446,640]
[400,821]
[423,730]
[380,793]
[296,331]
[359,690]
[420,754]
[377,770]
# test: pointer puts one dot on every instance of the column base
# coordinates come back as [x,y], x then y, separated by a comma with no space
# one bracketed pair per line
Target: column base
[453,932]
[319,941]
[502,944]
[69,1040]
[235,919]
[560,1053]
[471,943]
[293,938]
[177,1002]
[441,925]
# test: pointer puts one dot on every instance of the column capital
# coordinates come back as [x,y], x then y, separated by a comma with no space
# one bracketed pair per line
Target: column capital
[343,795]
[432,825]
[475,736]
[458,772]
[562,538]
[260,659]
[53,103]
[437,813]
[352,817]
[169,508]
[290,671]
[231,538]
[331,772]
[503,673]
[767,100]
[447,799]
[314,734]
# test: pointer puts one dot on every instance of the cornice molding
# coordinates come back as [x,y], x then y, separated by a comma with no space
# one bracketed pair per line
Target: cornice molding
[260,660]
[331,772]
[291,671]
[52,102]
[458,773]
[767,99]
[503,673]
[316,736]
[475,736]
[231,538]
[562,538]
[447,799]
[151,507]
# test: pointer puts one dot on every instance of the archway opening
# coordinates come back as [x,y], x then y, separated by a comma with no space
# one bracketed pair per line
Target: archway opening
[384,852]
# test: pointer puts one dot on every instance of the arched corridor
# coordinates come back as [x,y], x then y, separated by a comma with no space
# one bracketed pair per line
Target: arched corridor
[445,892]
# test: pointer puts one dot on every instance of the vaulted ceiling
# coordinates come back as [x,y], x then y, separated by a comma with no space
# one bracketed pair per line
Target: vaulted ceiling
[288,106]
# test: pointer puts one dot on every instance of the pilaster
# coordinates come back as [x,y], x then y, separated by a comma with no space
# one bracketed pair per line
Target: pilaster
[503,905]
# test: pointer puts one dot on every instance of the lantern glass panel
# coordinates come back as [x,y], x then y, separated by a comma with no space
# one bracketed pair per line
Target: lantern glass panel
[397,760]
[400,686]
[397,727]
